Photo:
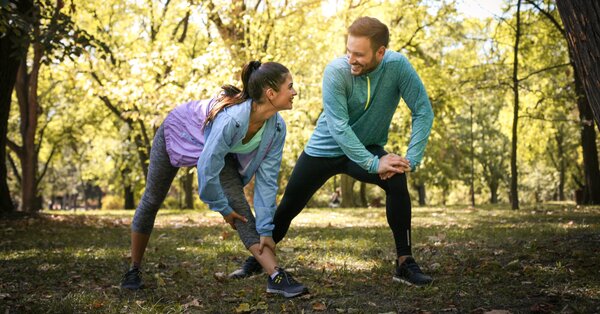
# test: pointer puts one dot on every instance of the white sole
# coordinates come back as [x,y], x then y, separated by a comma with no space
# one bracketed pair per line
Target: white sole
[408,283]
[285,294]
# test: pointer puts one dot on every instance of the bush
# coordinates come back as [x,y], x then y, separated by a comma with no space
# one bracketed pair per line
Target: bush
[112,202]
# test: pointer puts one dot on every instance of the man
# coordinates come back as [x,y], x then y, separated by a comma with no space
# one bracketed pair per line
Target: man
[360,94]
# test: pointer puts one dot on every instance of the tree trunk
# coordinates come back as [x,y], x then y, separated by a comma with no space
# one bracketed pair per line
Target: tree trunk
[562,167]
[588,134]
[591,167]
[472,152]
[128,197]
[9,65]
[494,194]
[422,194]
[348,197]
[27,95]
[581,19]
[514,183]
[363,195]
[188,188]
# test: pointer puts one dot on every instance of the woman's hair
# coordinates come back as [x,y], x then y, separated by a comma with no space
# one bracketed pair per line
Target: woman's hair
[256,77]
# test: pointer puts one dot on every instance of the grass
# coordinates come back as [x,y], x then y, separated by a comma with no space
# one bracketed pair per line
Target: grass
[540,259]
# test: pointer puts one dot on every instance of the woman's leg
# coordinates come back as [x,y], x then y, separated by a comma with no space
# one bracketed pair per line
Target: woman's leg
[160,176]
[231,182]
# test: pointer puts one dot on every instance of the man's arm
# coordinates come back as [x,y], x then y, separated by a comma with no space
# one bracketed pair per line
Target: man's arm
[415,96]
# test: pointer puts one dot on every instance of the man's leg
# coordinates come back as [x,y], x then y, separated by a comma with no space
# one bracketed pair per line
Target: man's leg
[308,175]
[398,213]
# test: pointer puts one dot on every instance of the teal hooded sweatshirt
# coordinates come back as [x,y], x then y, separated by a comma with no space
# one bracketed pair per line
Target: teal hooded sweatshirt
[358,110]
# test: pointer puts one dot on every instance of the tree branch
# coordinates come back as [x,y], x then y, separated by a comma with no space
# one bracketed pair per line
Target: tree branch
[15,148]
[543,70]
[14,168]
[549,16]
[39,179]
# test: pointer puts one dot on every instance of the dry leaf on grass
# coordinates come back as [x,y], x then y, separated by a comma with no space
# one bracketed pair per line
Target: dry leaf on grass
[319,306]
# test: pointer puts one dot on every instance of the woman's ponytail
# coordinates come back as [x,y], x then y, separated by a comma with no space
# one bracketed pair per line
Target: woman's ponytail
[256,76]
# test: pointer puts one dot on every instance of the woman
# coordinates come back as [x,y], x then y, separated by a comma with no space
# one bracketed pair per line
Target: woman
[230,138]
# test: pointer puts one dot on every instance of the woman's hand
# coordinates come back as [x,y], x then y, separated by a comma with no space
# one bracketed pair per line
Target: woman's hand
[268,242]
[230,219]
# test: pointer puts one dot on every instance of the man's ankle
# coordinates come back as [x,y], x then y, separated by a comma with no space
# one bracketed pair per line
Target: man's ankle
[402,258]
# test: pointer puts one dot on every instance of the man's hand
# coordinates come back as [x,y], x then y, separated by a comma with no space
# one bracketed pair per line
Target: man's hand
[268,242]
[391,164]
[230,219]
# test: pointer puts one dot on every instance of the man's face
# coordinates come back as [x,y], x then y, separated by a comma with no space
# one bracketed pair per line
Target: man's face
[361,56]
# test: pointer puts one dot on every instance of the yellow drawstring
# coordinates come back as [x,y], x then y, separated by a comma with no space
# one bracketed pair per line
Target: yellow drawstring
[368,92]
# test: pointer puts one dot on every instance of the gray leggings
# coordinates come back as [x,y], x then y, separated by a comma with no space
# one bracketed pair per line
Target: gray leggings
[160,176]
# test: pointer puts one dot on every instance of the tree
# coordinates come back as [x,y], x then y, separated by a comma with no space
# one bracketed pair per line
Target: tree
[12,24]
[52,37]
[582,26]
[514,181]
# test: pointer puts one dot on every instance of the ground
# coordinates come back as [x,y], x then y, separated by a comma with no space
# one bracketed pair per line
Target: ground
[541,259]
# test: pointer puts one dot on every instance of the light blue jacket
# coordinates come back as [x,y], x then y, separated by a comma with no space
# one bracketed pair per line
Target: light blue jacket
[227,129]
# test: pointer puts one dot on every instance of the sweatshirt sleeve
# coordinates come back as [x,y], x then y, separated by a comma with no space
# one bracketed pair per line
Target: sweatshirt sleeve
[266,186]
[414,95]
[211,162]
[335,107]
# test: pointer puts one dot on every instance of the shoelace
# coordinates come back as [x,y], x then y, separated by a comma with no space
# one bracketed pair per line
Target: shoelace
[287,276]
[414,267]
[131,274]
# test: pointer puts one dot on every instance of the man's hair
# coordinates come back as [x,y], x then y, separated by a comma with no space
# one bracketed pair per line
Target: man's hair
[371,28]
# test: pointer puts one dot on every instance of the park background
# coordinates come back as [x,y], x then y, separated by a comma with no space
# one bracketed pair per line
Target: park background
[93,80]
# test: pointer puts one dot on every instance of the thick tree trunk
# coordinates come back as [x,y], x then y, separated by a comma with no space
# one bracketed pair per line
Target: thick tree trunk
[582,24]
[514,183]
[348,197]
[363,195]
[588,134]
[27,95]
[188,189]
[8,75]
[591,167]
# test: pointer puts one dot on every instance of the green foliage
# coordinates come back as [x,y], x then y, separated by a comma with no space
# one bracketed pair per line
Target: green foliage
[118,68]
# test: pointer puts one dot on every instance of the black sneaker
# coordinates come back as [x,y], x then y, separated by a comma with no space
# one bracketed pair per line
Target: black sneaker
[250,267]
[132,279]
[410,273]
[284,284]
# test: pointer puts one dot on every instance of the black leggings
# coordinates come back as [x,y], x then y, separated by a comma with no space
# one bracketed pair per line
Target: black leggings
[310,173]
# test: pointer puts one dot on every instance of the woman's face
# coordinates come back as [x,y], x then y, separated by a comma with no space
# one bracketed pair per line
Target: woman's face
[284,98]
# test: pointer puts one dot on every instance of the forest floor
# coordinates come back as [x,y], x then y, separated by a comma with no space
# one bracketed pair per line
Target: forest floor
[540,259]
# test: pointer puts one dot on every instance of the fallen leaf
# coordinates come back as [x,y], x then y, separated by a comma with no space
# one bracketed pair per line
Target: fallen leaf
[243,308]
[225,235]
[261,306]
[220,276]
[159,281]
[497,312]
[319,306]
[193,303]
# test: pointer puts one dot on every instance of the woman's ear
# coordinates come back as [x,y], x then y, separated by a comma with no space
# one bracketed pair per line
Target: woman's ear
[270,93]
